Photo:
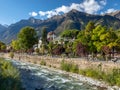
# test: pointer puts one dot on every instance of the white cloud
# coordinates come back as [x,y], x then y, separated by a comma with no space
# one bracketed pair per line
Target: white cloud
[42,13]
[63,9]
[33,14]
[110,10]
[103,2]
[88,6]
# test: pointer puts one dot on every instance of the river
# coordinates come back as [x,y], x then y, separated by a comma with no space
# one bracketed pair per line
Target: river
[35,77]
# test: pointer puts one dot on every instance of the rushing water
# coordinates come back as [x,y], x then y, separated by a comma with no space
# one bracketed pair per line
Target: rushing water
[34,77]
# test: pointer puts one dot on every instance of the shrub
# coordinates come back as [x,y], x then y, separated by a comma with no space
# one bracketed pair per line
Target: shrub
[9,76]
[74,68]
[65,66]
[69,67]
[11,54]
[37,50]
[42,62]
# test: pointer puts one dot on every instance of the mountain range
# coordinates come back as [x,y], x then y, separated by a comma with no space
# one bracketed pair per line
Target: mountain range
[71,20]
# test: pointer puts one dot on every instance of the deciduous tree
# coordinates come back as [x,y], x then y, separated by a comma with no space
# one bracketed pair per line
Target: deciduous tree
[27,37]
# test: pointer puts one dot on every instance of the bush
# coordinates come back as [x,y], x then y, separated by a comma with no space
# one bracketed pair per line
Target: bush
[9,76]
[37,50]
[43,63]
[74,68]
[11,54]
[69,67]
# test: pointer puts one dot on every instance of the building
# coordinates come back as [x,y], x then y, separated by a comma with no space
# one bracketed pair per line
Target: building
[51,36]
[39,43]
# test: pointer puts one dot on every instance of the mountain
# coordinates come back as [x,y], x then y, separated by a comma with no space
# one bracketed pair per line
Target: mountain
[2,28]
[78,20]
[115,14]
[71,20]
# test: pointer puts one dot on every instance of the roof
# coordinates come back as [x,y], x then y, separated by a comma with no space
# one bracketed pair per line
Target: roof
[51,33]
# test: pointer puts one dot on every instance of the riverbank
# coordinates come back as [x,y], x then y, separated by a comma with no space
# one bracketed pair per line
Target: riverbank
[56,61]
[54,64]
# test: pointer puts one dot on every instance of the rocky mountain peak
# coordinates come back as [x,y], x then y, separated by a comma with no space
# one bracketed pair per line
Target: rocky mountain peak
[32,19]
[115,14]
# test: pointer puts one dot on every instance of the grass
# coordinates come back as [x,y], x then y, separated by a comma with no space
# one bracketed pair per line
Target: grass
[113,77]
[9,76]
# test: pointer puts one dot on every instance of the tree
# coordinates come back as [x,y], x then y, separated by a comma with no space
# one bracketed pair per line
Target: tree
[50,47]
[89,28]
[69,49]
[58,49]
[85,36]
[118,40]
[98,37]
[79,49]
[15,44]
[27,37]
[2,46]
[70,33]
[112,40]
[82,38]
[106,51]
[44,35]
[104,39]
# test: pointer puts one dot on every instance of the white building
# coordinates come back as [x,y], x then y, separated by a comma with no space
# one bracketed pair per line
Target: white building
[39,43]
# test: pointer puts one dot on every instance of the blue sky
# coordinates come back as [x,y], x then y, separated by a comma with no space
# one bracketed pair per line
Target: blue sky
[12,11]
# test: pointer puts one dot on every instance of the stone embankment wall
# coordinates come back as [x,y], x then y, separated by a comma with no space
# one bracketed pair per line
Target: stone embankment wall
[55,61]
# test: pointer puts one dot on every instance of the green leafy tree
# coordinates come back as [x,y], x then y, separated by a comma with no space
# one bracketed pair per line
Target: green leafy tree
[2,46]
[44,35]
[85,36]
[50,47]
[15,44]
[103,37]
[27,37]
[79,49]
[70,33]
[69,49]
[118,40]
[98,36]
[89,28]
[112,40]
[88,34]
